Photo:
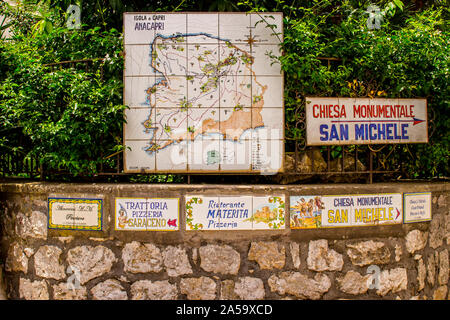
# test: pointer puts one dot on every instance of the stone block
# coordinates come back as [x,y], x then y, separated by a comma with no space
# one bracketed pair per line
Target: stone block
[221,259]
[248,288]
[354,283]
[47,263]
[299,285]
[110,289]
[16,260]
[91,262]
[416,240]
[33,290]
[368,252]
[176,261]
[202,288]
[268,255]
[141,258]
[153,290]
[321,258]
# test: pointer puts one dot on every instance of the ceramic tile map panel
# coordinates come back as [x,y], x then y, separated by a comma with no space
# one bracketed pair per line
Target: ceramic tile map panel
[75,213]
[417,207]
[147,214]
[201,89]
[234,212]
[322,211]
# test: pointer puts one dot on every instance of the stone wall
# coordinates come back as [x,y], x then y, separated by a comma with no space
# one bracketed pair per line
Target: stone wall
[413,259]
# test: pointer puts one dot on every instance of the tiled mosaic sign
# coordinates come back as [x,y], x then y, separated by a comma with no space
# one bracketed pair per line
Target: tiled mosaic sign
[147,214]
[203,93]
[75,213]
[234,212]
[323,211]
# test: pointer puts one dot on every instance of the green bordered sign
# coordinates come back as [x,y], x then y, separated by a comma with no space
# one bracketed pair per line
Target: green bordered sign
[75,213]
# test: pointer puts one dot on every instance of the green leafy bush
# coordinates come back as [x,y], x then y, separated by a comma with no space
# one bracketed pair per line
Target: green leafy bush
[67,115]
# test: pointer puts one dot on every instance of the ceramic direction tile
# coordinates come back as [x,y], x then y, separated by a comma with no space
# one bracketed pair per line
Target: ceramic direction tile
[268,212]
[147,214]
[415,125]
[331,211]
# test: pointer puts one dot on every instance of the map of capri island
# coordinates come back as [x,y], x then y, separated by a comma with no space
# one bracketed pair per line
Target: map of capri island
[204,91]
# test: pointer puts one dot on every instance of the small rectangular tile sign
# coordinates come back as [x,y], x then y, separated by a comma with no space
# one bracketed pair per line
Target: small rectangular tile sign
[75,213]
[147,214]
[417,206]
[234,212]
[345,210]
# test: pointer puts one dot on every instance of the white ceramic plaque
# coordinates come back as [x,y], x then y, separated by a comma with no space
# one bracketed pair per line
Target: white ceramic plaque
[147,214]
[75,213]
[417,206]
[235,212]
